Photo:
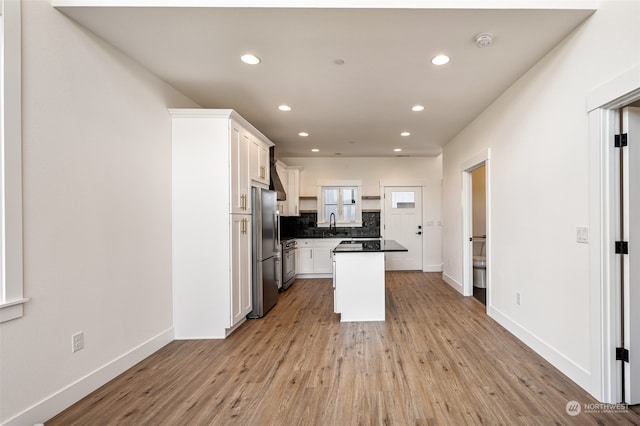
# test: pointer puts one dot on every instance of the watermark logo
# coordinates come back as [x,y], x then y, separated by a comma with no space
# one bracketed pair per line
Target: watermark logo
[573,408]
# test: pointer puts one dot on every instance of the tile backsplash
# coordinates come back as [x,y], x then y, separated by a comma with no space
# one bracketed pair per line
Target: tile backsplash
[305,226]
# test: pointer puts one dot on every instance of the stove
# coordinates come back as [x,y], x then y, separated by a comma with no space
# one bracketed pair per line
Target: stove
[288,262]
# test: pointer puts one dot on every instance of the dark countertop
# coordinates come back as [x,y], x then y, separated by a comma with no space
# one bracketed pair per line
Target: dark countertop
[328,237]
[368,246]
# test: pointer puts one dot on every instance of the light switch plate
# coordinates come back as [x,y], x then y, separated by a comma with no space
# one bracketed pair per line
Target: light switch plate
[582,235]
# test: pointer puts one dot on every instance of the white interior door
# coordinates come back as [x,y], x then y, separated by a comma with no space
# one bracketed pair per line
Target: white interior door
[631,234]
[403,223]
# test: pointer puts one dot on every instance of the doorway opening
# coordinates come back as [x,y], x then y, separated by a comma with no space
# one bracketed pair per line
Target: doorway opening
[479,233]
[627,207]
[476,233]
[615,276]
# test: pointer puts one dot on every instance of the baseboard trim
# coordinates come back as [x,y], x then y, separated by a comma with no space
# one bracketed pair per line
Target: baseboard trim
[313,276]
[69,395]
[432,268]
[566,366]
[452,282]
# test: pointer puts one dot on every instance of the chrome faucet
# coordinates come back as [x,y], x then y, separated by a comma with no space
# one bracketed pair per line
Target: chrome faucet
[332,215]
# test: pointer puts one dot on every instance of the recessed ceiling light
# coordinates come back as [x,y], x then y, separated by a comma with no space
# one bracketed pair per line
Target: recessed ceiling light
[440,60]
[338,61]
[405,134]
[250,59]
[303,134]
[397,149]
[315,150]
[417,108]
[284,108]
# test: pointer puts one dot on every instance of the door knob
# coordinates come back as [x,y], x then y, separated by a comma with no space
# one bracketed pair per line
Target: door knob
[419,233]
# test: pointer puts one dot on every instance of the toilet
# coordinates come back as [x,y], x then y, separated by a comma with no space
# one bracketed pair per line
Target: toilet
[479,271]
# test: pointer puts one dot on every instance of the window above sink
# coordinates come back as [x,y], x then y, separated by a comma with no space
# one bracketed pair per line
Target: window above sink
[343,200]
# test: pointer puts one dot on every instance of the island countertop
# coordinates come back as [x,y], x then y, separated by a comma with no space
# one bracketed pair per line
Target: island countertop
[368,246]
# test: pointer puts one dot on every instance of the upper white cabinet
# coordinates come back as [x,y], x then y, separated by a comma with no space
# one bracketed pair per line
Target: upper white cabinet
[211,222]
[259,161]
[240,182]
[283,173]
[290,177]
[293,190]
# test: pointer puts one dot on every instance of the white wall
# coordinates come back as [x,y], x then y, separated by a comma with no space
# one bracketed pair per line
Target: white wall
[97,217]
[389,170]
[539,187]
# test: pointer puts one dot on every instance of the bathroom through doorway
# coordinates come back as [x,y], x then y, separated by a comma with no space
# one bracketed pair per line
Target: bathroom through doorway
[479,232]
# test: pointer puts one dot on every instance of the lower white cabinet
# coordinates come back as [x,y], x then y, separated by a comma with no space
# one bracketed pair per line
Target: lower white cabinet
[241,296]
[323,255]
[358,283]
[304,257]
[315,256]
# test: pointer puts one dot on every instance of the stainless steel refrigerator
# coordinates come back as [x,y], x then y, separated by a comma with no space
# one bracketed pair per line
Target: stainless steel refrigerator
[267,270]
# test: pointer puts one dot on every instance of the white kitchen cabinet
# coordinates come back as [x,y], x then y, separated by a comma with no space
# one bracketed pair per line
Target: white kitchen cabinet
[315,256]
[283,173]
[293,190]
[211,244]
[358,282]
[240,182]
[259,160]
[323,255]
[290,177]
[304,257]
[241,296]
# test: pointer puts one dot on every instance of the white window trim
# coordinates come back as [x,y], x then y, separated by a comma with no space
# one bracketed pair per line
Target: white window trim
[11,266]
[323,222]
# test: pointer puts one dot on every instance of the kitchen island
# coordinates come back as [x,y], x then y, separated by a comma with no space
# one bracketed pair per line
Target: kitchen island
[358,279]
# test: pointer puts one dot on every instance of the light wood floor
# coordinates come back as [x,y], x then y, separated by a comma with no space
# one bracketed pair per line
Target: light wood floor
[438,359]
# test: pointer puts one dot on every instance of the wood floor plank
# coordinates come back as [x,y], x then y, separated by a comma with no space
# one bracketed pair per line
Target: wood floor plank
[437,360]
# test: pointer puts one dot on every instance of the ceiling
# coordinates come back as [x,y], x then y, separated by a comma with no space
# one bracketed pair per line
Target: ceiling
[358,108]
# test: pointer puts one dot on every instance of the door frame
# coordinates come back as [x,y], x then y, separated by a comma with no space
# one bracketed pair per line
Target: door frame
[603,104]
[478,160]
[408,182]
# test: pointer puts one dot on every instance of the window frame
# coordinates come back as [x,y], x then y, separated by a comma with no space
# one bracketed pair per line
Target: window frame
[323,221]
[11,256]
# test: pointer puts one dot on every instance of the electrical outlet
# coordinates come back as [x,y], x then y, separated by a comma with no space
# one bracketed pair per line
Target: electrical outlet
[582,235]
[518,299]
[77,341]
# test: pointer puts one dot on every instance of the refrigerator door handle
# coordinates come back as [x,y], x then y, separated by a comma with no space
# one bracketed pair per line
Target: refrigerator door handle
[276,230]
